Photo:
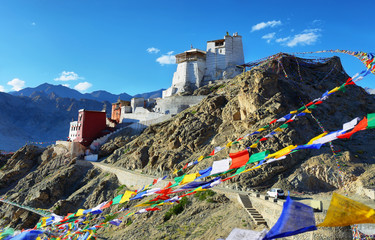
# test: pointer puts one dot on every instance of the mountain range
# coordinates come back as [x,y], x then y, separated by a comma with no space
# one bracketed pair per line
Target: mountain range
[66,92]
[42,114]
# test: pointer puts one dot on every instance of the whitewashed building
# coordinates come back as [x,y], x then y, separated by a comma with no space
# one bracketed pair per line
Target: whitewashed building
[196,68]
[73,130]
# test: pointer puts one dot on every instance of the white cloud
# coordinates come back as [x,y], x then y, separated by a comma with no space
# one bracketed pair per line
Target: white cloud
[262,25]
[167,59]
[33,24]
[2,89]
[269,36]
[307,37]
[152,50]
[68,76]
[66,85]
[16,84]
[282,39]
[82,86]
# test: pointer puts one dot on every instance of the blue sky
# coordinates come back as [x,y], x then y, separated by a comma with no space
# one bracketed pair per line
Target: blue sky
[128,46]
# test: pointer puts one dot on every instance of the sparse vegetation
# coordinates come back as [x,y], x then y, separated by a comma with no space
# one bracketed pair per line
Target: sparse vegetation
[205,195]
[177,209]
[110,217]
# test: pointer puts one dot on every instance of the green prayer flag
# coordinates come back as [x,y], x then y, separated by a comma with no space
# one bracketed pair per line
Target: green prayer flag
[267,126]
[312,107]
[38,225]
[117,199]
[284,126]
[301,108]
[240,170]
[342,88]
[370,120]
[256,157]
[179,179]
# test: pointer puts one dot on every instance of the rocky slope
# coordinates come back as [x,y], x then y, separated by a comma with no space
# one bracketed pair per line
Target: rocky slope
[49,178]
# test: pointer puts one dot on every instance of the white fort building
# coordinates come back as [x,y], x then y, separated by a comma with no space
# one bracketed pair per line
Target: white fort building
[197,68]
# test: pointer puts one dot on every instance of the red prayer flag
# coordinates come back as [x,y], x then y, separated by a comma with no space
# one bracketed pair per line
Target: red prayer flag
[226,179]
[239,159]
[152,209]
[107,205]
[212,153]
[362,125]
[155,181]
[309,104]
[188,194]
[318,102]
[290,120]
[273,121]
[263,139]
[185,166]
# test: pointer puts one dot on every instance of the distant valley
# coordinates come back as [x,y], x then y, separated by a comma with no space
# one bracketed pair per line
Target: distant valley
[43,113]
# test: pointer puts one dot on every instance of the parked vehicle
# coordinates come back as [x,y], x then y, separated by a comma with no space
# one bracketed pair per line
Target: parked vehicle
[276,193]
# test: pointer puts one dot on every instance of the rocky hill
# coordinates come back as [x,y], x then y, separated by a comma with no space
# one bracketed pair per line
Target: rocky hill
[49,178]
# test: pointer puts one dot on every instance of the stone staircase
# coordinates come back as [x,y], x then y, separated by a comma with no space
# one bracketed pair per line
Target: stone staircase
[254,214]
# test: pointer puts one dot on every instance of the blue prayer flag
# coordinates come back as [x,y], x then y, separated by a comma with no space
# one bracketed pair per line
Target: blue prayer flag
[295,218]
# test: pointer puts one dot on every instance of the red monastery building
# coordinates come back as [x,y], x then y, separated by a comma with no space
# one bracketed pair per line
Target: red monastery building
[90,126]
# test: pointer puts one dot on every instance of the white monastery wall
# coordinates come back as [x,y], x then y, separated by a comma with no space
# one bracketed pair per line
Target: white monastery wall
[73,130]
[176,104]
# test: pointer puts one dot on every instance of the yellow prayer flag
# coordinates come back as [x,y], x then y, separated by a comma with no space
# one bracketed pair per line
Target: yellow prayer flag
[254,145]
[229,144]
[189,178]
[282,152]
[316,138]
[306,111]
[175,172]
[278,129]
[343,211]
[80,212]
[293,112]
[144,204]
[126,196]
[200,158]
[250,169]
[200,189]
[261,129]
[334,90]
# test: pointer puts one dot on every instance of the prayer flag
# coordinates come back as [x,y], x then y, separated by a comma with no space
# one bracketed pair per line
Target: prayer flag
[116,222]
[362,125]
[284,126]
[306,111]
[343,211]
[328,138]
[282,152]
[216,150]
[204,173]
[316,138]
[189,178]
[350,125]
[308,146]
[258,156]
[80,212]
[334,90]
[117,199]
[254,145]
[220,166]
[126,196]
[370,120]
[295,218]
